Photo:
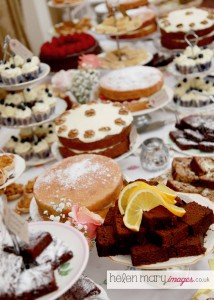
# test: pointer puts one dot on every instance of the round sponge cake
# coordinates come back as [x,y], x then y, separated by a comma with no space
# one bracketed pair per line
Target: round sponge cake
[91,180]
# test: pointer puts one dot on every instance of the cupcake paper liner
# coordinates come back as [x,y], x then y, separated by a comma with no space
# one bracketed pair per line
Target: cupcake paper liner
[43,154]
[8,121]
[13,80]
[26,121]
[185,69]
[204,67]
[27,155]
[41,116]
[32,75]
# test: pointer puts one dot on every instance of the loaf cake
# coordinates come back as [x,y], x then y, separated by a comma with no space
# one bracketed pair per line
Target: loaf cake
[100,128]
[93,181]
[177,23]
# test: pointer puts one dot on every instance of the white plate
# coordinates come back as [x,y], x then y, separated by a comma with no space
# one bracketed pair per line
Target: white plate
[172,69]
[61,106]
[178,261]
[190,152]
[134,144]
[142,63]
[35,161]
[17,171]
[76,241]
[169,96]
[64,5]
[45,69]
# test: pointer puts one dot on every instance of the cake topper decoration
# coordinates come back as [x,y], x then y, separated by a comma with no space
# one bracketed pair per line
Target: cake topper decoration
[189,40]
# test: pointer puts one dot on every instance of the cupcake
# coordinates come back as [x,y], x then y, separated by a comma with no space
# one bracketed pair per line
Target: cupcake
[51,137]
[184,64]
[50,101]
[23,115]
[31,68]
[30,96]
[40,131]
[3,65]
[14,98]
[17,60]
[42,92]
[12,75]
[2,104]
[192,51]
[26,134]
[8,114]
[41,111]
[11,144]
[24,149]
[41,149]
[204,60]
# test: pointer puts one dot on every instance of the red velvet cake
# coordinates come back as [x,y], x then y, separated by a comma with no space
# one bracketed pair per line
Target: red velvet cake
[63,52]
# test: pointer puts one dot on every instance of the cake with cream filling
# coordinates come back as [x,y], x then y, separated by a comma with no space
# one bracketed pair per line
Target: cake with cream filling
[93,181]
[100,128]
[177,23]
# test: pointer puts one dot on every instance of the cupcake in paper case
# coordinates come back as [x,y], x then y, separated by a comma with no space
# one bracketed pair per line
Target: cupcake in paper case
[3,65]
[15,98]
[11,144]
[24,115]
[41,149]
[12,75]
[192,51]
[30,96]
[51,137]
[26,134]
[50,101]
[17,60]
[24,149]
[41,111]
[40,131]
[184,65]
[204,60]
[8,113]
[30,71]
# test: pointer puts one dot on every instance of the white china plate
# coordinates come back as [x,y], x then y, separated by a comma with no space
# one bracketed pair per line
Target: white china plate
[51,3]
[45,69]
[142,63]
[178,261]
[169,97]
[190,152]
[61,106]
[172,69]
[134,144]
[16,171]
[76,241]
[35,161]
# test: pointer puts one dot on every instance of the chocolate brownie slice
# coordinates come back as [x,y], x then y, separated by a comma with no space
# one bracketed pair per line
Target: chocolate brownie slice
[193,245]
[192,122]
[105,241]
[206,146]
[158,218]
[193,135]
[186,144]
[168,237]
[147,254]
[198,218]
[109,219]
[174,135]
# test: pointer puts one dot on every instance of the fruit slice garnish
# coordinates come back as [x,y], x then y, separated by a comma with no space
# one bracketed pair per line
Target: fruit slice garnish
[145,200]
[168,194]
[127,191]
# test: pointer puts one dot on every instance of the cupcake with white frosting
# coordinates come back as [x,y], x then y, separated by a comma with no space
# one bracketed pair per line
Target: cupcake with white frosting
[12,75]
[24,149]
[184,64]
[41,149]
[51,137]
[41,111]
[17,60]
[40,131]
[30,96]
[11,144]
[8,114]
[3,65]
[204,60]
[14,97]
[51,101]
[31,68]
[26,134]
[23,115]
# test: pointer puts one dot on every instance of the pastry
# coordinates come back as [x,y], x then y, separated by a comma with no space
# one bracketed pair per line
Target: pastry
[14,191]
[23,205]
[84,173]
[7,162]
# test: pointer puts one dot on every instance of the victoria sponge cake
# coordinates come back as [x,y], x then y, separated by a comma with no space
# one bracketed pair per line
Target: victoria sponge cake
[93,181]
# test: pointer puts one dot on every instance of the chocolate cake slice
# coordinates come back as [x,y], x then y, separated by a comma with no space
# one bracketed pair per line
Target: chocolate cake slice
[148,254]
[10,270]
[109,219]
[174,135]
[36,282]
[198,218]
[193,245]
[105,241]
[168,237]
[186,144]
[158,218]
[193,135]
[206,146]
[56,253]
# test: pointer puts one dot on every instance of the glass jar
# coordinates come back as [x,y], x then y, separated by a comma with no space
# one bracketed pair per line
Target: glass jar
[154,154]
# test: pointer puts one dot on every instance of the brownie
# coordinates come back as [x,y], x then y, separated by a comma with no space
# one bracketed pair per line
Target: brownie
[193,245]
[185,144]
[158,218]
[198,218]
[38,241]
[174,135]
[36,282]
[56,253]
[206,146]
[105,241]
[169,237]
[147,254]
[193,135]
[109,219]
[81,290]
